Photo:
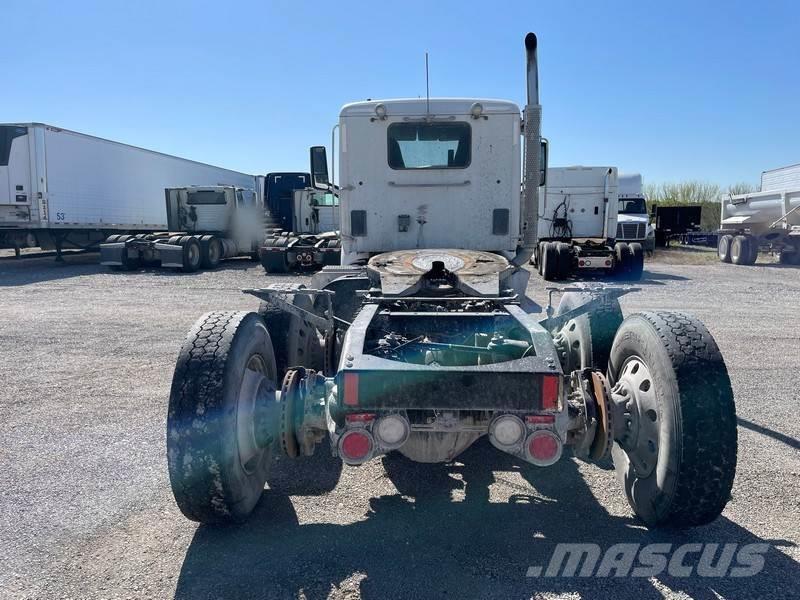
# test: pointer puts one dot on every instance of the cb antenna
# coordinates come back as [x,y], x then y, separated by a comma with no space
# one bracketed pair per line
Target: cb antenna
[427,88]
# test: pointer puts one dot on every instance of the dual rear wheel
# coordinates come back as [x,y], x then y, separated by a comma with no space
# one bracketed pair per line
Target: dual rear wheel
[675,438]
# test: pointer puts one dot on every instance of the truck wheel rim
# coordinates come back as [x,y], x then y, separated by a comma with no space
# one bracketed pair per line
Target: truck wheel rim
[194,254]
[639,428]
[250,452]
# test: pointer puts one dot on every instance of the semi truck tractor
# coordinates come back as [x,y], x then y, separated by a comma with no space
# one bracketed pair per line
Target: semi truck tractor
[305,221]
[62,189]
[633,221]
[768,219]
[425,340]
[577,222]
[206,224]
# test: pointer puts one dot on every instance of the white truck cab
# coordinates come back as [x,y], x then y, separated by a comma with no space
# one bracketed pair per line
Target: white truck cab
[437,173]
[633,220]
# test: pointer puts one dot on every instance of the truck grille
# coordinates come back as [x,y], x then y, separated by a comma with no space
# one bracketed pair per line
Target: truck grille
[630,231]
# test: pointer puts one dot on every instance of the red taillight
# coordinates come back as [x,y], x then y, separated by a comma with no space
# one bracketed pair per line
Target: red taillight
[543,447]
[351,389]
[608,263]
[581,263]
[550,392]
[355,446]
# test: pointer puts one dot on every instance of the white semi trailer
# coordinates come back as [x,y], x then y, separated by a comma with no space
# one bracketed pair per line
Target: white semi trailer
[768,219]
[63,189]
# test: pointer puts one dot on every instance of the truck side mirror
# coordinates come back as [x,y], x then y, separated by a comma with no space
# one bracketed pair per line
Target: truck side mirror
[543,163]
[319,168]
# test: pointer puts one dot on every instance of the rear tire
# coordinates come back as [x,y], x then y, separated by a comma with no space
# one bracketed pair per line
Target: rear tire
[636,264]
[277,322]
[192,254]
[550,270]
[622,256]
[564,252]
[676,456]
[588,337]
[211,251]
[218,457]
[724,248]
[740,250]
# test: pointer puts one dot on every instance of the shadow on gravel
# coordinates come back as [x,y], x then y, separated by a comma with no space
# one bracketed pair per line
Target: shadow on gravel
[41,268]
[421,543]
[775,435]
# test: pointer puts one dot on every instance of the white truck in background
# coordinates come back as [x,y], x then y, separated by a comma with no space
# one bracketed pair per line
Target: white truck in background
[63,189]
[207,224]
[577,225]
[768,219]
[633,220]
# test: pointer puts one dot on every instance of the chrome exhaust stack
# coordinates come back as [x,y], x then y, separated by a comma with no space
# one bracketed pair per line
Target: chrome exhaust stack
[533,138]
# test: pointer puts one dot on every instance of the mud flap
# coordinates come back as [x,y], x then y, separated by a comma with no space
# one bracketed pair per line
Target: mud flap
[170,254]
[111,254]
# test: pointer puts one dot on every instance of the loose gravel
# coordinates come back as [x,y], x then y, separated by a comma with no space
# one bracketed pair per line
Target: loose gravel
[86,508]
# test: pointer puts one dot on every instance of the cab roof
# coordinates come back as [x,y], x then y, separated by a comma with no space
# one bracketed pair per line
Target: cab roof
[414,107]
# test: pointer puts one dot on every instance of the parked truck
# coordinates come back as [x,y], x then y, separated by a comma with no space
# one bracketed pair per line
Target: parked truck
[305,221]
[63,189]
[768,219]
[633,222]
[425,340]
[577,222]
[206,224]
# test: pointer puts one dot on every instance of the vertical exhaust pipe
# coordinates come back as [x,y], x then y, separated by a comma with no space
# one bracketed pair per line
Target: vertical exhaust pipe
[532,150]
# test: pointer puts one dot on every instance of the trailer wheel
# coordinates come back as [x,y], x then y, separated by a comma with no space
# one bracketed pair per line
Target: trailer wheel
[191,253]
[754,248]
[740,250]
[211,251]
[564,252]
[223,417]
[586,340]
[674,419]
[550,270]
[111,239]
[724,248]
[539,256]
[274,261]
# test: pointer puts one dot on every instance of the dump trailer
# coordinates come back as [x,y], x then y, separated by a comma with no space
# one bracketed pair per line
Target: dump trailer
[768,219]
[576,226]
[207,224]
[425,341]
[63,189]
[633,222]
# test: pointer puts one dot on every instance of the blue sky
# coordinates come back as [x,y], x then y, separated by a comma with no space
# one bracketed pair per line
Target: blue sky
[675,90]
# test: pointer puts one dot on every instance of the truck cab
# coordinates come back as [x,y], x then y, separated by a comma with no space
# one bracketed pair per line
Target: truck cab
[633,221]
[437,173]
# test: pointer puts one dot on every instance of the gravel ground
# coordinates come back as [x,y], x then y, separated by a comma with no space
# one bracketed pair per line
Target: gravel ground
[86,509]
